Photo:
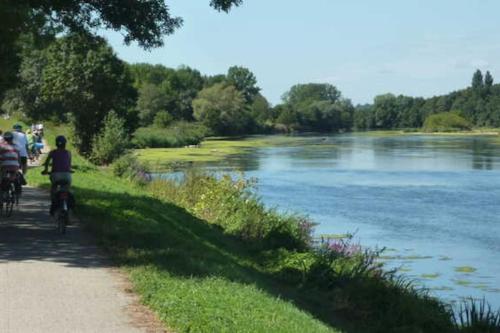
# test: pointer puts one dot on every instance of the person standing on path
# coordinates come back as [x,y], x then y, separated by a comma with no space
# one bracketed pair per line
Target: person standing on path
[21,143]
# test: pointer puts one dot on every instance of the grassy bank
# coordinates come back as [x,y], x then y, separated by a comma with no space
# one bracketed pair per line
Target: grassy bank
[212,150]
[208,257]
[197,278]
[218,149]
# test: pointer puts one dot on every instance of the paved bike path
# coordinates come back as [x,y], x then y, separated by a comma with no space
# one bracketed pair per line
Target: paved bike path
[60,283]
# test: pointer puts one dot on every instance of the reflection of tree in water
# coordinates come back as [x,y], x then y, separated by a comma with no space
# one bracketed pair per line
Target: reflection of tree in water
[248,161]
[482,155]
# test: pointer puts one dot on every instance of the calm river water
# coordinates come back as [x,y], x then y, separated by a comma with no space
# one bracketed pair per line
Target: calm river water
[432,201]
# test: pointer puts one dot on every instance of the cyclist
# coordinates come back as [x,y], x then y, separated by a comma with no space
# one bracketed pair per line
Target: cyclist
[61,168]
[9,159]
[21,143]
[31,142]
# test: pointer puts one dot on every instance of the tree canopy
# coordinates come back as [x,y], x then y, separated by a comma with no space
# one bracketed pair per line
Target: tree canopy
[84,79]
[315,107]
[222,109]
[477,104]
[145,22]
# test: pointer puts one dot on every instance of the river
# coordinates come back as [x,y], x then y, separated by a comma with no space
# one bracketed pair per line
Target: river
[432,201]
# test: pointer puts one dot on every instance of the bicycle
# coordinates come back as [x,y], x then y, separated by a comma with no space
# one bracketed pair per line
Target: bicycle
[61,211]
[9,192]
[61,204]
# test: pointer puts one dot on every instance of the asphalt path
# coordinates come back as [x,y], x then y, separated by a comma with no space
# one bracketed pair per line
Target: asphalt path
[60,283]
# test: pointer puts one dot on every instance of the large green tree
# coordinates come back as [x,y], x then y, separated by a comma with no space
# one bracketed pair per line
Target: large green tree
[477,80]
[221,108]
[386,111]
[152,100]
[145,22]
[317,107]
[301,95]
[243,80]
[176,88]
[84,77]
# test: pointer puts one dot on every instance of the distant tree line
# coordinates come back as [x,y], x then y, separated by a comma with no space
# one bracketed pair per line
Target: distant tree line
[79,79]
[479,104]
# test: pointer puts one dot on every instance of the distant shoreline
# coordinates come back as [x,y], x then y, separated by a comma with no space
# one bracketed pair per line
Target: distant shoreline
[473,132]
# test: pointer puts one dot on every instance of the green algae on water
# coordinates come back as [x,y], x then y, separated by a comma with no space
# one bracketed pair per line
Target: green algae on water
[465,269]
[430,275]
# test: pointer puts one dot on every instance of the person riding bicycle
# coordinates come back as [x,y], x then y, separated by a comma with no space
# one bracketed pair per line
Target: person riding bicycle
[61,168]
[9,159]
[21,143]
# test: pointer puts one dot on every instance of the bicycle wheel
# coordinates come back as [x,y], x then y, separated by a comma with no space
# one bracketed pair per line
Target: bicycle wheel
[61,221]
[10,200]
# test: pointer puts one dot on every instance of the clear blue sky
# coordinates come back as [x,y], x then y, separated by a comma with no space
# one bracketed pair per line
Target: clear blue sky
[364,47]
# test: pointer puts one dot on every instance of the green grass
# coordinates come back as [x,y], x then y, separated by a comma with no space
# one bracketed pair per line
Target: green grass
[196,278]
[210,150]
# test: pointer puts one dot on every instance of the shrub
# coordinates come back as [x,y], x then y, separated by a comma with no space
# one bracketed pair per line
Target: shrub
[163,119]
[111,142]
[129,167]
[445,122]
[178,134]
[232,204]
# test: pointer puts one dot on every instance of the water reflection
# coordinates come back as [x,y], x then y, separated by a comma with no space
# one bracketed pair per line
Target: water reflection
[423,196]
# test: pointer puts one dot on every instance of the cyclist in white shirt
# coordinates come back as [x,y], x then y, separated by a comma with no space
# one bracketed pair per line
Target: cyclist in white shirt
[21,143]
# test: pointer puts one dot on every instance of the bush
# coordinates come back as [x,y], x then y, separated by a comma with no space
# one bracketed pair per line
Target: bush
[445,122]
[178,134]
[129,167]
[163,119]
[111,142]
[231,204]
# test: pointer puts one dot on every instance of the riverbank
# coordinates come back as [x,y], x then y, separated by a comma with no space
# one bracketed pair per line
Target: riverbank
[212,150]
[198,256]
[217,149]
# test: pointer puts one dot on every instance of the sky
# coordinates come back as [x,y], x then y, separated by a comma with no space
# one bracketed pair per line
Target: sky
[363,47]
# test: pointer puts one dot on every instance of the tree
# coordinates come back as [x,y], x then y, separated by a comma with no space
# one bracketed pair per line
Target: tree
[286,117]
[152,100]
[187,83]
[477,80]
[301,95]
[243,80]
[386,111]
[145,22]
[222,109]
[319,107]
[259,110]
[488,80]
[112,140]
[175,88]
[213,79]
[163,119]
[85,78]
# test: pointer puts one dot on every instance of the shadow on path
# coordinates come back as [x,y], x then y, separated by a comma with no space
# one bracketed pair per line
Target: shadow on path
[31,234]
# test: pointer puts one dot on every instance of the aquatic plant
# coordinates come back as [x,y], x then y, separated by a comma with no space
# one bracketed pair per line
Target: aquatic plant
[476,316]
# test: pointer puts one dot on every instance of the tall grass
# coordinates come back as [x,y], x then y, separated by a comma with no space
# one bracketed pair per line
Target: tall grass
[341,278]
[476,316]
